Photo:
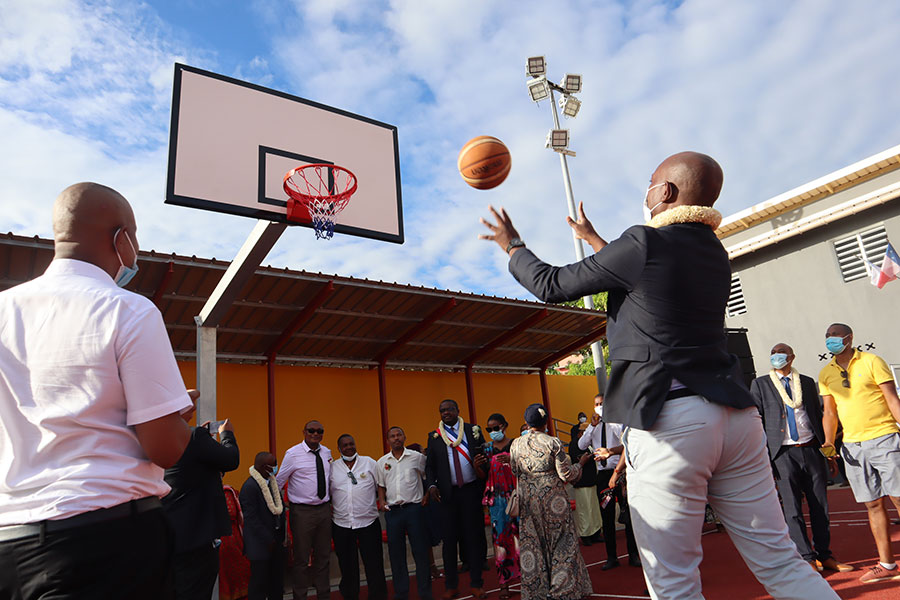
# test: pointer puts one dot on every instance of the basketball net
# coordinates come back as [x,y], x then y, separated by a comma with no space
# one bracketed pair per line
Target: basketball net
[320,192]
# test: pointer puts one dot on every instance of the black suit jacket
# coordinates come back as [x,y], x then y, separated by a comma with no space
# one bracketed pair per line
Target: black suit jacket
[771,407]
[666,308]
[437,463]
[262,529]
[196,505]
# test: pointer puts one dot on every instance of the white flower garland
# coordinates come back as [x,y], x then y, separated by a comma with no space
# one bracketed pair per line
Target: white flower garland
[687,214]
[446,438]
[270,492]
[797,400]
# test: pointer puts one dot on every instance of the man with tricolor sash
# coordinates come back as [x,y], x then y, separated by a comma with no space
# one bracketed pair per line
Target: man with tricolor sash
[792,418]
[454,474]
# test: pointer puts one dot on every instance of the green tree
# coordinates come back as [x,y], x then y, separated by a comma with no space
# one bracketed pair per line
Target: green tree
[586,366]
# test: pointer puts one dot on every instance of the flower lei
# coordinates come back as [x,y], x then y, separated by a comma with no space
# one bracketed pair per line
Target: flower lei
[446,438]
[271,493]
[687,214]
[797,400]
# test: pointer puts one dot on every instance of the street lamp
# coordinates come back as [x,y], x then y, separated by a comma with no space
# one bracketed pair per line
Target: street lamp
[540,88]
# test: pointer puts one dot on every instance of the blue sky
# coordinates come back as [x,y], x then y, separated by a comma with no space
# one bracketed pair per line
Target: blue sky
[779,92]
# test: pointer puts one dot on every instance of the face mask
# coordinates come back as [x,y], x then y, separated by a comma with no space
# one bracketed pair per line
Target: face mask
[599,410]
[582,419]
[648,212]
[835,344]
[524,432]
[778,360]
[274,469]
[497,435]
[125,274]
[350,458]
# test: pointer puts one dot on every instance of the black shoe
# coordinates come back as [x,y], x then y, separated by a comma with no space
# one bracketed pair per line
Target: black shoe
[610,564]
[634,561]
[597,538]
[586,541]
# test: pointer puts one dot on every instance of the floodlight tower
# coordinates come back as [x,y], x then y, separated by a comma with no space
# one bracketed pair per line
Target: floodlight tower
[540,88]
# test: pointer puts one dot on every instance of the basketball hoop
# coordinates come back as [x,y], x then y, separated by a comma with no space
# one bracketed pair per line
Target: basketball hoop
[318,192]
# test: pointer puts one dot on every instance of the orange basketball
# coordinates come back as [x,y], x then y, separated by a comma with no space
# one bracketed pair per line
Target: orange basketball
[484,162]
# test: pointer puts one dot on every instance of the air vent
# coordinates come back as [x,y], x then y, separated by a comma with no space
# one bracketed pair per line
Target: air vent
[850,252]
[736,305]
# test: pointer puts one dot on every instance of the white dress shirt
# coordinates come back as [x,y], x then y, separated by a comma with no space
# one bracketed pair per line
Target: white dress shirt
[81,362]
[804,428]
[592,436]
[401,478]
[298,471]
[353,504]
[465,464]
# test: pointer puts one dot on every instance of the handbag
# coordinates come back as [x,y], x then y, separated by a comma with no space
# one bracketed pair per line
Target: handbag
[512,505]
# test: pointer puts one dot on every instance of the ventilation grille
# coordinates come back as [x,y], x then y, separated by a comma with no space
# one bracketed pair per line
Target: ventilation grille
[736,305]
[851,251]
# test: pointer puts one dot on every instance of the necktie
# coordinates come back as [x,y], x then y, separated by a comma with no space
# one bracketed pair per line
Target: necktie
[457,467]
[320,474]
[791,420]
[602,440]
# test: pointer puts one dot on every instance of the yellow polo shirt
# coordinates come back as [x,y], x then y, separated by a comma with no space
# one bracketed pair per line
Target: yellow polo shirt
[861,408]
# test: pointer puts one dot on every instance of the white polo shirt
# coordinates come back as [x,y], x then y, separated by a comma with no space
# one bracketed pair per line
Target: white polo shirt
[81,362]
[401,478]
[353,498]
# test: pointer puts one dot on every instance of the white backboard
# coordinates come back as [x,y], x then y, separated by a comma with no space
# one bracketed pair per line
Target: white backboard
[231,142]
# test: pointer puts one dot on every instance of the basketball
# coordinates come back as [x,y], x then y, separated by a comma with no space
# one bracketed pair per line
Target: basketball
[484,162]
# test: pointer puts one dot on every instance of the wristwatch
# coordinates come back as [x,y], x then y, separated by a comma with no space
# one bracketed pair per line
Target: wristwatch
[514,243]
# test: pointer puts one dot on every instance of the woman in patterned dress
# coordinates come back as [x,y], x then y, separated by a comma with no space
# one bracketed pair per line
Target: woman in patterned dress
[549,558]
[499,486]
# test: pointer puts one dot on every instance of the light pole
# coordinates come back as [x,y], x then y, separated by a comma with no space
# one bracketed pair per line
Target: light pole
[539,88]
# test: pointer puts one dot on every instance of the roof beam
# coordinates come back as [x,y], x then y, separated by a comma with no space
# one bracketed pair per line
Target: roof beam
[308,311]
[163,284]
[415,330]
[507,335]
[587,340]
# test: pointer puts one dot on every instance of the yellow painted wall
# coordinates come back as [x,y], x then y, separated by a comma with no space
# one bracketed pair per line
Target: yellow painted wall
[346,401]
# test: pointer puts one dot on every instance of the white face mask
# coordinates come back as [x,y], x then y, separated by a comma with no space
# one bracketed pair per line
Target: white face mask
[582,419]
[599,410]
[648,212]
[350,458]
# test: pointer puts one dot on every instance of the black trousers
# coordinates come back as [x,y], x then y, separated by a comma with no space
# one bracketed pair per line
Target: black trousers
[462,517]
[349,546]
[122,558]
[267,577]
[195,573]
[608,515]
[802,472]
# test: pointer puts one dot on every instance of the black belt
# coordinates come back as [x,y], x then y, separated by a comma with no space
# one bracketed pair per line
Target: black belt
[808,444]
[680,393]
[120,511]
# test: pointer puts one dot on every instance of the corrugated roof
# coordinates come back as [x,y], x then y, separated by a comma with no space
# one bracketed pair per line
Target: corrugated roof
[319,319]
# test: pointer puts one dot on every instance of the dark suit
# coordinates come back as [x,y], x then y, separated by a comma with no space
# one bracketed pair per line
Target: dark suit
[666,308]
[197,510]
[462,514]
[263,543]
[800,471]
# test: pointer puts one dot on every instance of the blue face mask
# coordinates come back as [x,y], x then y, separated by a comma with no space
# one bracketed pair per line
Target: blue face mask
[525,432]
[778,360]
[497,435]
[125,274]
[274,469]
[835,344]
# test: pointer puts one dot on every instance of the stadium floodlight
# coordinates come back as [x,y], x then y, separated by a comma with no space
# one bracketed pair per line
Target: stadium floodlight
[558,139]
[536,66]
[539,89]
[570,105]
[571,83]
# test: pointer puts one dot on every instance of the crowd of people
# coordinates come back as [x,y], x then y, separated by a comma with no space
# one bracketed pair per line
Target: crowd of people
[106,491]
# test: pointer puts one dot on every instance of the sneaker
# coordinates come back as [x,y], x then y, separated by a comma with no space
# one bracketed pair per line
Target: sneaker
[879,573]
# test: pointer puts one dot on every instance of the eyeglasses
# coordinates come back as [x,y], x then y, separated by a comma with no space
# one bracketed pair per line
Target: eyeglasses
[490,429]
[312,430]
[352,477]
[846,381]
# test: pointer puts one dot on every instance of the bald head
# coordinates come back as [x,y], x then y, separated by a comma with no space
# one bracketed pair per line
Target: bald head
[86,217]
[692,178]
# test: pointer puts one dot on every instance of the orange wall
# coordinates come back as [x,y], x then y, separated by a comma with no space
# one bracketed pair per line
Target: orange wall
[346,401]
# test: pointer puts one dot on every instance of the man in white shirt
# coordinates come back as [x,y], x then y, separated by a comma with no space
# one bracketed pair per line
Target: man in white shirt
[399,475]
[89,415]
[606,439]
[356,529]
[306,469]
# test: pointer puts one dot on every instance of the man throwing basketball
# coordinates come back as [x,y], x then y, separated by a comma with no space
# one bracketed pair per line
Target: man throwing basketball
[692,431]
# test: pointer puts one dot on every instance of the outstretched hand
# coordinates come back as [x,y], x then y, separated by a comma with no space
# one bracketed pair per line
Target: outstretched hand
[502,232]
[584,229]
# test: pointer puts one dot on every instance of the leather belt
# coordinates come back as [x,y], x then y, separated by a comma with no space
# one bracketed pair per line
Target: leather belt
[810,443]
[679,393]
[120,511]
